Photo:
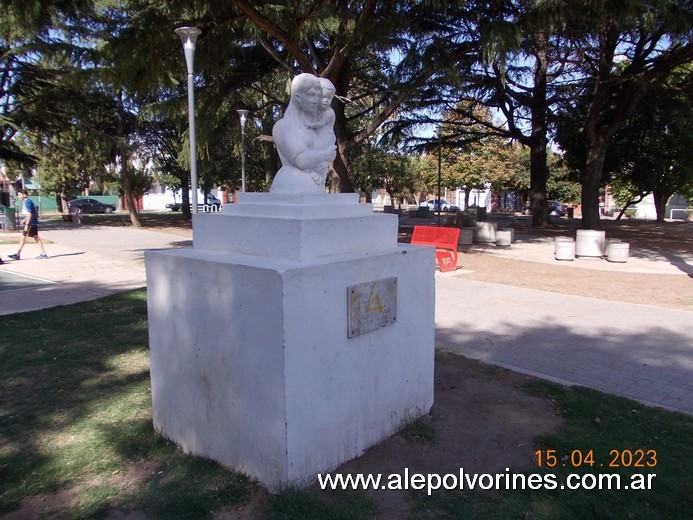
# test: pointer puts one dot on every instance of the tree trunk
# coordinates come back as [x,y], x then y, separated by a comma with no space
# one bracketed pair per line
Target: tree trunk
[185,199]
[341,168]
[537,162]
[341,162]
[63,200]
[269,155]
[592,181]
[660,201]
[122,152]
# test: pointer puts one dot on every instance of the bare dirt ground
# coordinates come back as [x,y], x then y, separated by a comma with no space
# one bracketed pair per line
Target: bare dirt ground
[482,421]
[671,239]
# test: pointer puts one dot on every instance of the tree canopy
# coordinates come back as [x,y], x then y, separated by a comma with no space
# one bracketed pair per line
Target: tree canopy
[499,76]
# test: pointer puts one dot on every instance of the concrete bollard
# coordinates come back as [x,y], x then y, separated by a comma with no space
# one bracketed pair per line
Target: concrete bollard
[485,232]
[607,243]
[564,249]
[466,236]
[503,238]
[618,252]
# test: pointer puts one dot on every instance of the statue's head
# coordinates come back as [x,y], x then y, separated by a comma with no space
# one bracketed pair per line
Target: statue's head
[306,92]
[328,92]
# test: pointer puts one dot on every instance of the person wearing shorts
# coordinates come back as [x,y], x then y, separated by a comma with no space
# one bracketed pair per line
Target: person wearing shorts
[30,224]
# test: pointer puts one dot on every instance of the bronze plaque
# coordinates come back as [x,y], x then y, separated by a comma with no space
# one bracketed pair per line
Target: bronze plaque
[371,306]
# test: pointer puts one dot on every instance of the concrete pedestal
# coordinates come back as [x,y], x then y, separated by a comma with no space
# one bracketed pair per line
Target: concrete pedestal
[503,238]
[466,236]
[485,232]
[294,334]
[589,243]
[607,243]
[564,248]
[618,252]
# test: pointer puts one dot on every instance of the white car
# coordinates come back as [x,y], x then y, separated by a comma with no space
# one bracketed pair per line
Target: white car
[444,205]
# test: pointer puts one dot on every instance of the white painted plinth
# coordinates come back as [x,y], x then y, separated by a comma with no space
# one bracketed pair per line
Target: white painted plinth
[485,232]
[250,360]
[589,243]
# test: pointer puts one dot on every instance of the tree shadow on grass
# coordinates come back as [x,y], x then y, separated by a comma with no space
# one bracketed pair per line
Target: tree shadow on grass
[75,417]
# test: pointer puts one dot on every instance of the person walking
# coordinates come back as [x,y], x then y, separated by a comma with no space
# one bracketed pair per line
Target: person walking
[30,224]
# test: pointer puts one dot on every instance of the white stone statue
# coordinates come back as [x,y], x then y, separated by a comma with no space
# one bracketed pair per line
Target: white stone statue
[305,138]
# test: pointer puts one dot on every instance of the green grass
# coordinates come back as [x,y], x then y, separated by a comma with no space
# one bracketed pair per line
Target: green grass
[293,504]
[75,418]
[75,414]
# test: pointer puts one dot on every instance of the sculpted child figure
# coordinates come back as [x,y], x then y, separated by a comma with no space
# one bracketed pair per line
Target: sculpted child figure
[305,138]
[325,128]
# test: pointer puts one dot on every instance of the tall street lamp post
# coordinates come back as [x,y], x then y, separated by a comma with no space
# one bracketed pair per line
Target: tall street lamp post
[188,36]
[243,114]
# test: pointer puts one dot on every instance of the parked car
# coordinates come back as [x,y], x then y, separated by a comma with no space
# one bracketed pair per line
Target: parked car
[89,206]
[444,205]
[555,208]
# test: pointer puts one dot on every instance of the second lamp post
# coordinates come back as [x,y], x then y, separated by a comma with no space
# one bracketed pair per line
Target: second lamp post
[243,114]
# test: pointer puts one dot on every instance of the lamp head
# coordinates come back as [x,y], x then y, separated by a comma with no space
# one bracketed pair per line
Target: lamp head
[188,36]
[243,114]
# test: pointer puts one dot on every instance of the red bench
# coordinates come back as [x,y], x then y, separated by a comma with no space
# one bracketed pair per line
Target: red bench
[444,239]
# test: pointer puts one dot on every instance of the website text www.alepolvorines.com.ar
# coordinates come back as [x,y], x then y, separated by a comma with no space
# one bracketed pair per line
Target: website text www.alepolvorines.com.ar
[484,481]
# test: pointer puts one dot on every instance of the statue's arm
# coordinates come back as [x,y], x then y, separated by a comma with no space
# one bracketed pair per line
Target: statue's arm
[296,151]
[310,159]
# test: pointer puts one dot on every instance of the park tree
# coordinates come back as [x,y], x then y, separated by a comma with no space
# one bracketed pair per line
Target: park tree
[34,101]
[231,72]
[62,44]
[513,69]
[379,55]
[521,61]
[70,160]
[161,144]
[563,182]
[653,147]
[376,167]
[649,152]
[472,157]
[624,51]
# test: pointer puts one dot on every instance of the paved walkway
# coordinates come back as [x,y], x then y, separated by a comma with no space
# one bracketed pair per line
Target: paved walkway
[86,262]
[638,351]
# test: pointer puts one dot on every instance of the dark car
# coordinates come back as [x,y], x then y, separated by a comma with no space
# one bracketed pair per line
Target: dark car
[89,206]
[555,208]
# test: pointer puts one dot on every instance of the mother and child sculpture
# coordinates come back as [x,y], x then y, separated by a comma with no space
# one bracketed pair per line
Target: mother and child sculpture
[305,138]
